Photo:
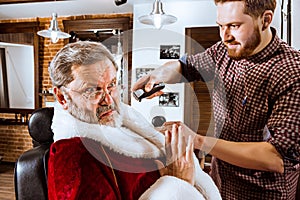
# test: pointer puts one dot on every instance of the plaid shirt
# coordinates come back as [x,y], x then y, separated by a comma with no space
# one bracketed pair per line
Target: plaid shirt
[254,99]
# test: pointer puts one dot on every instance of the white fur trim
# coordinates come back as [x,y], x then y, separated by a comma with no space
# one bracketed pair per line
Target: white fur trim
[205,184]
[171,188]
[144,140]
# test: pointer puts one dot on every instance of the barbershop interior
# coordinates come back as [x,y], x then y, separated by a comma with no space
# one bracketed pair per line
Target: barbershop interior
[141,35]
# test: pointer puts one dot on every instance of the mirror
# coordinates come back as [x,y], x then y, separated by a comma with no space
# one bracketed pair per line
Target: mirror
[16,76]
[19,77]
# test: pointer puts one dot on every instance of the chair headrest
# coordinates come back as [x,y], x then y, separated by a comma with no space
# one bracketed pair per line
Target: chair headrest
[39,125]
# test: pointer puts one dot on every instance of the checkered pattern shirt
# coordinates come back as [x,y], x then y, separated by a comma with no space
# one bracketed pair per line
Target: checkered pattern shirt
[254,99]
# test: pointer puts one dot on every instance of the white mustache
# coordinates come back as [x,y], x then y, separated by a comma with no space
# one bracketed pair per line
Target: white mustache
[103,109]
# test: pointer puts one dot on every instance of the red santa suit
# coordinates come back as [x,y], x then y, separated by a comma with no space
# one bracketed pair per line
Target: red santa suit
[91,161]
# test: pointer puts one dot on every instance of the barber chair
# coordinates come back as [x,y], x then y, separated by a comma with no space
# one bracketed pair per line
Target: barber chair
[31,167]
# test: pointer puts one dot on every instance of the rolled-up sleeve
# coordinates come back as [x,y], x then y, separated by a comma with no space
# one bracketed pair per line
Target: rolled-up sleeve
[284,123]
[200,66]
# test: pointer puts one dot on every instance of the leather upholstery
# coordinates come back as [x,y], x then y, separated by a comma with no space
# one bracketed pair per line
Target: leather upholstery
[31,166]
[39,126]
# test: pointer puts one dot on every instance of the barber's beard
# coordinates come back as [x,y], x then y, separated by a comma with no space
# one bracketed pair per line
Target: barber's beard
[114,120]
[250,45]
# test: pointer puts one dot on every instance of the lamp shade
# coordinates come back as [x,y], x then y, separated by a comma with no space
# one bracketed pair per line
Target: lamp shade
[157,17]
[53,32]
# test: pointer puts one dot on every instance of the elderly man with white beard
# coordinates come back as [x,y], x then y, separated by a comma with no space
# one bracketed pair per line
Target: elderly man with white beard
[104,149]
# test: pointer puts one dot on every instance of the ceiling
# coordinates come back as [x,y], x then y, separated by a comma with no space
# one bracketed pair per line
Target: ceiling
[23,1]
[66,7]
[62,8]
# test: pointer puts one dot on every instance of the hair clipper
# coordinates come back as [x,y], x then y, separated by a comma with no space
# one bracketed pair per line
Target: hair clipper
[141,93]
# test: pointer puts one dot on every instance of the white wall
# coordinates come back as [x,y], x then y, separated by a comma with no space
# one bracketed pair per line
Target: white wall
[20,72]
[146,47]
[295,24]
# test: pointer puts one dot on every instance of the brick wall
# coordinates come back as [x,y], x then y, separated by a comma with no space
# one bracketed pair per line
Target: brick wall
[15,139]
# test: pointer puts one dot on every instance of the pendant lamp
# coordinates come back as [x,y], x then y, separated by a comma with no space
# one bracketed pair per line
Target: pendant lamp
[53,32]
[157,17]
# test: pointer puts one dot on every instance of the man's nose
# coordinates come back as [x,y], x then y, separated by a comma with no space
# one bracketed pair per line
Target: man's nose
[225,34]
[108,100]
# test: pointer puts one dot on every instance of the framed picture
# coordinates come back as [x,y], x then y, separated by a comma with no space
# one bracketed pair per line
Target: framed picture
[140,72]
[169,51]
[169,99]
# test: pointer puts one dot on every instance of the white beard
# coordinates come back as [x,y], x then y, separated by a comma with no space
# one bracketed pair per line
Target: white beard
[114,120]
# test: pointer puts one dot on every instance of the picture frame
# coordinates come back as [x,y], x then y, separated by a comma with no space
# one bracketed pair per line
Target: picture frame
[169,52]
[140,72]
[169,99]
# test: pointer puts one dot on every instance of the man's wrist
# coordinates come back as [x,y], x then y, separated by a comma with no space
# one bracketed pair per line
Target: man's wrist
[198,142]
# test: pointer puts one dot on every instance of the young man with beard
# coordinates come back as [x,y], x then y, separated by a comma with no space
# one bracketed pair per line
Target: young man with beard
[256,101]
[103,149]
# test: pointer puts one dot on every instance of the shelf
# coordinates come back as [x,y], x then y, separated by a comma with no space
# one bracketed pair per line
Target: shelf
[21,116]
[4,121]
[45,94]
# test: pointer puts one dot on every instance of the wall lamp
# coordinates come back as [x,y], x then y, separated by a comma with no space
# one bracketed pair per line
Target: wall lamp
[157,17]
[53,32]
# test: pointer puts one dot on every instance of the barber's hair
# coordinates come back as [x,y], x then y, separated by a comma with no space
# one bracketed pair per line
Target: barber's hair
[254,8]
[76,54]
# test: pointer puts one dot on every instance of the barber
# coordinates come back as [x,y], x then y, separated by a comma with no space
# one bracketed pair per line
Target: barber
[256,101]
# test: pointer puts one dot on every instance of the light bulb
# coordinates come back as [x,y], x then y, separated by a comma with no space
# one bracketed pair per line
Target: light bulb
[157,21]
[54,36]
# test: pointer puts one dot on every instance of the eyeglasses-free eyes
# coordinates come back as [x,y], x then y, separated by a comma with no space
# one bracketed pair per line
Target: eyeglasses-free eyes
[95,94]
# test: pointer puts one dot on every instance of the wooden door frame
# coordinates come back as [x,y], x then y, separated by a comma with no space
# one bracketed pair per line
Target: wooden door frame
[25,28]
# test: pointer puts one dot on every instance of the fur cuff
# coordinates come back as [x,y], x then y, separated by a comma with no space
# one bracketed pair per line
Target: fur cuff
[169,187]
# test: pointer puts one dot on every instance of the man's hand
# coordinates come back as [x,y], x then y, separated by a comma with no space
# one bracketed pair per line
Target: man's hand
[186,131]
[179,156]
[170,72]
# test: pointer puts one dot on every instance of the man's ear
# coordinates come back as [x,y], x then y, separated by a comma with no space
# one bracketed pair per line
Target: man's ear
[267,19]
[60,97]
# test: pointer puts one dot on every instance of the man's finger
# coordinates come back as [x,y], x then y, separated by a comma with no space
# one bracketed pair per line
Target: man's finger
[168,147]
[181,142]
[140,83]
[190,150]
[156,94]
[174,142]
[149,85]
[161,167]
